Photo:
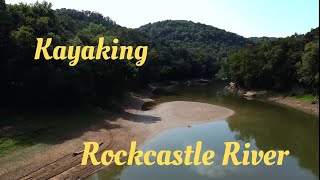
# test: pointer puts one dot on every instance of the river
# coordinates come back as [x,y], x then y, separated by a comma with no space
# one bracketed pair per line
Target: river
[264,125]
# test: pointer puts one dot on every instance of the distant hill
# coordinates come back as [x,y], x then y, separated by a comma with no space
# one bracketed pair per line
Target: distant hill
[261,39]
[176,50]
[187,50]
[195,37]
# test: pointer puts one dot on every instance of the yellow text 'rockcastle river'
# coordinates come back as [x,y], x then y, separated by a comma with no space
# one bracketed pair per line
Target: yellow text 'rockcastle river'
[75,53]
[233,155]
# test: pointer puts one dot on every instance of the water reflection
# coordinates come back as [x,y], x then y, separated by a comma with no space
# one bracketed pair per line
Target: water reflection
[265,125]
[300,137]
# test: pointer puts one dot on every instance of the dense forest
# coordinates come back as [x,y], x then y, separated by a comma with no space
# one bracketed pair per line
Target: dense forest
[177,50]
[280,64]
[25,81]
[195,50]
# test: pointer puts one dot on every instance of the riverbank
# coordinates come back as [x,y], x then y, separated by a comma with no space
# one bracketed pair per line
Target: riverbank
[305,106]
[115,132]
[309,106]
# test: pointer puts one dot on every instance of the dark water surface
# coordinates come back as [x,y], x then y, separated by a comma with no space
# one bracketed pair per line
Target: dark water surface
[266,126]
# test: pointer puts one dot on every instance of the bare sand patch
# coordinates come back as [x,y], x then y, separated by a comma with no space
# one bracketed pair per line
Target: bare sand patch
[183,114]
[116,133]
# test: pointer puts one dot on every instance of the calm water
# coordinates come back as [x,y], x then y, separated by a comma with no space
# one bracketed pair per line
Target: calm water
[265,125]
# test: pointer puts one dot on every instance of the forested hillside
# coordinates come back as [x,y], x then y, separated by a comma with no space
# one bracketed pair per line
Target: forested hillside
[280,64]
[26,81]
[191,49]
[177,50]
[195,37]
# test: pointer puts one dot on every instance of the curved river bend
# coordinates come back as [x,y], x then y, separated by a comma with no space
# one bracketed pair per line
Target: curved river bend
[265,125]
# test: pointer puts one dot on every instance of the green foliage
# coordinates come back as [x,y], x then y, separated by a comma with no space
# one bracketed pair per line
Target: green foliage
[25,81]
[306,97]
[194,37]
[177,50]
[4,23]
[279,64]
[308,67]
[23,36]
[186,49]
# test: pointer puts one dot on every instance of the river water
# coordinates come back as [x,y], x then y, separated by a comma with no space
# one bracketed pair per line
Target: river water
[266,126]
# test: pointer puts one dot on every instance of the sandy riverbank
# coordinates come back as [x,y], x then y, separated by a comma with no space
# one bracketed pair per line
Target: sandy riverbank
[116,132]
[301,105]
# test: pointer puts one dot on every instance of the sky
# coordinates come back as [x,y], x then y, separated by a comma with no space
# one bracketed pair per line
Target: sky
[249,18]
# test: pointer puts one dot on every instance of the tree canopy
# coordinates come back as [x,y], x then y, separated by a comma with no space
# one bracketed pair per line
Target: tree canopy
[25,81]
[280,64]
[177,50]
[189,49]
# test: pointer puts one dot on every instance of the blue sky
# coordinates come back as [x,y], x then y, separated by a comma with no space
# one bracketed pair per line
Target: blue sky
[273,18]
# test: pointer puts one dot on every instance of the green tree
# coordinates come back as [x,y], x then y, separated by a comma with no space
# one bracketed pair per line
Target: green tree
[308,68]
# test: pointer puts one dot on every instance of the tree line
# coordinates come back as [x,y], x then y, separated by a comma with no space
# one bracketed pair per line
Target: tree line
[25,81]
[177,50]
[279,64]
